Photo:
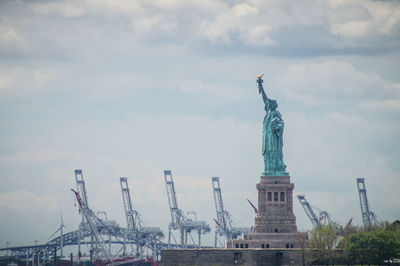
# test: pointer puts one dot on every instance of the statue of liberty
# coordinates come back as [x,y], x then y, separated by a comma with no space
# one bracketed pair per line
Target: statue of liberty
[272,136]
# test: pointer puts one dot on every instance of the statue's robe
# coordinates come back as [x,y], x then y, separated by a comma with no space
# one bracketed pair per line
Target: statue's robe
[273,126]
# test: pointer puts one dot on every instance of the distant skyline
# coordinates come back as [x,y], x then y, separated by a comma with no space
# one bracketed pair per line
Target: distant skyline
[131,88]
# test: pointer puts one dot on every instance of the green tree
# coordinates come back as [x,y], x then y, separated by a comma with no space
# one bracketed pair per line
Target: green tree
[344,233]
[322,240]
[385,245]
[372,247]
[357,248]
[395,228]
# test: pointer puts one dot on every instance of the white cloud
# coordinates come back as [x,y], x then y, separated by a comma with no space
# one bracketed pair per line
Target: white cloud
[367,18]
[254,22]
[381,106]
[258,36]
[9,34]
[211,89]
[36,156]
[156,24]
[234,22]
[248,23]
[25,81]
[67,10]
[5,80]
[24,200]
[329,82]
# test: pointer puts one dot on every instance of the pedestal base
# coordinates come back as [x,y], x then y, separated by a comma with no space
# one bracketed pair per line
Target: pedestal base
[270,240]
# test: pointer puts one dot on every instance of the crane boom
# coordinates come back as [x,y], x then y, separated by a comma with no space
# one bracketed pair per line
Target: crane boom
[368,217]
[81,189]
[80,186]
[307,208]
[252,205]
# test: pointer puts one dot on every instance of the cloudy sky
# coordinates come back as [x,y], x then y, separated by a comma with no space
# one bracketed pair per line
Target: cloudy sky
[130,88]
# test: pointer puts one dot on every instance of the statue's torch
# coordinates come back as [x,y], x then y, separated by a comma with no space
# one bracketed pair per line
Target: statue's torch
[260,81]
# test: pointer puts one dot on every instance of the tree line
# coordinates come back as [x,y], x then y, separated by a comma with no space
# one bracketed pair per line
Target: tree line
[375,245]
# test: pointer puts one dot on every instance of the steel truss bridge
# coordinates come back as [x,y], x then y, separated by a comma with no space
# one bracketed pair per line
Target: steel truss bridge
[118,236]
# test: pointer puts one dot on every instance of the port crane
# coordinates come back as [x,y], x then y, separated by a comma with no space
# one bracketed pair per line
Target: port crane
[81,189]
[146,236]
[369,218]
[133,220]
[224,220]
[100,251]
[323,218]
[180,221]
[91,225]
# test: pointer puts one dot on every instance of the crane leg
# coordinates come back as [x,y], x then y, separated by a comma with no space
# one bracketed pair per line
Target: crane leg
[186,238]
[199,232]
[169,237]
[182,238]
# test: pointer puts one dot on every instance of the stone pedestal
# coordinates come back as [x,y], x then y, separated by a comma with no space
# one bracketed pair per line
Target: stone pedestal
[275,205]
[275,223]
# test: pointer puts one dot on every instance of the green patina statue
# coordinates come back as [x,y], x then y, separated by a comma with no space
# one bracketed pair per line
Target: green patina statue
[272,136]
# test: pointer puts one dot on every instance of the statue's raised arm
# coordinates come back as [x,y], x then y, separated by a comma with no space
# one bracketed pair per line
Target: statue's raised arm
[261,90]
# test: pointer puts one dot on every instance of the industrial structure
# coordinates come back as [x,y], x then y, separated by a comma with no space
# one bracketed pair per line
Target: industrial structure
[104,239]
[224,220]
[145,236]
[180,221]
[98,247]
[102,232]
[323,218]
[136,236]
[369,218]
[107,241]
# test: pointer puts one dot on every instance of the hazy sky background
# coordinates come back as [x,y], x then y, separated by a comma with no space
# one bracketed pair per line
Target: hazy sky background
[130,88]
